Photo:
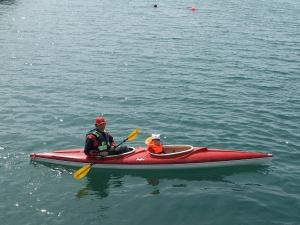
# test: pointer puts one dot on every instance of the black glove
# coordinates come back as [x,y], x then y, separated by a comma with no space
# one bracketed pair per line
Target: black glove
[112,148]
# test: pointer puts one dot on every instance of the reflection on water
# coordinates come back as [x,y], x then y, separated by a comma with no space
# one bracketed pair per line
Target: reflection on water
[153,182]
[7,2]
[99,182]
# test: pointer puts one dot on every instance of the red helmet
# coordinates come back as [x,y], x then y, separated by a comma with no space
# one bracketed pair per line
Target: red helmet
[100,120]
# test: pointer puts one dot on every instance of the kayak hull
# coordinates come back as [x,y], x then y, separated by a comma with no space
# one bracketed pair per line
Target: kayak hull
[140,159]
[257,161]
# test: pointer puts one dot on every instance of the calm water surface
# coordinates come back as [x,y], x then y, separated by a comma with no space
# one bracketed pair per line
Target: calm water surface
[224,76]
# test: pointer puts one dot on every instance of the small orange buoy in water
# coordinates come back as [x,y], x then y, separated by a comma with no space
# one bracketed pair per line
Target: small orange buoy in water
[193,8]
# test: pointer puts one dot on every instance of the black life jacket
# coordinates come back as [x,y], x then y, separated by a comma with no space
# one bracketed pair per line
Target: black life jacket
[102,138]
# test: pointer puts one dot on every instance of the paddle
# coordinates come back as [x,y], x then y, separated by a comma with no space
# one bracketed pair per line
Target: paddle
[83,171]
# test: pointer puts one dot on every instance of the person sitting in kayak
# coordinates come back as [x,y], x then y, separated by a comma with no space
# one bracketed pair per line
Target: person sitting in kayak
[154,144]
[101,143]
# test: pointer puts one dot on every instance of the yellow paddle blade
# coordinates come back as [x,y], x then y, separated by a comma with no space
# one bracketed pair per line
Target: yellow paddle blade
[82,172]
[133,134]
[148,140]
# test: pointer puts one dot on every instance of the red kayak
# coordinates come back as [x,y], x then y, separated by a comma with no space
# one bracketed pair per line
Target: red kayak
[174,157]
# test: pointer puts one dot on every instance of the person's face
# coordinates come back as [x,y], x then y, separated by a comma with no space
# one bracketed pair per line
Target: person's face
[156,141]
[101,127]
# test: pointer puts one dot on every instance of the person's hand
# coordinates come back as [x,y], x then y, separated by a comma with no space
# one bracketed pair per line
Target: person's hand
[112,148]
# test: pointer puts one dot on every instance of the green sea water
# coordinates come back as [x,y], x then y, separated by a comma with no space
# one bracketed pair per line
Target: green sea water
[223,76]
